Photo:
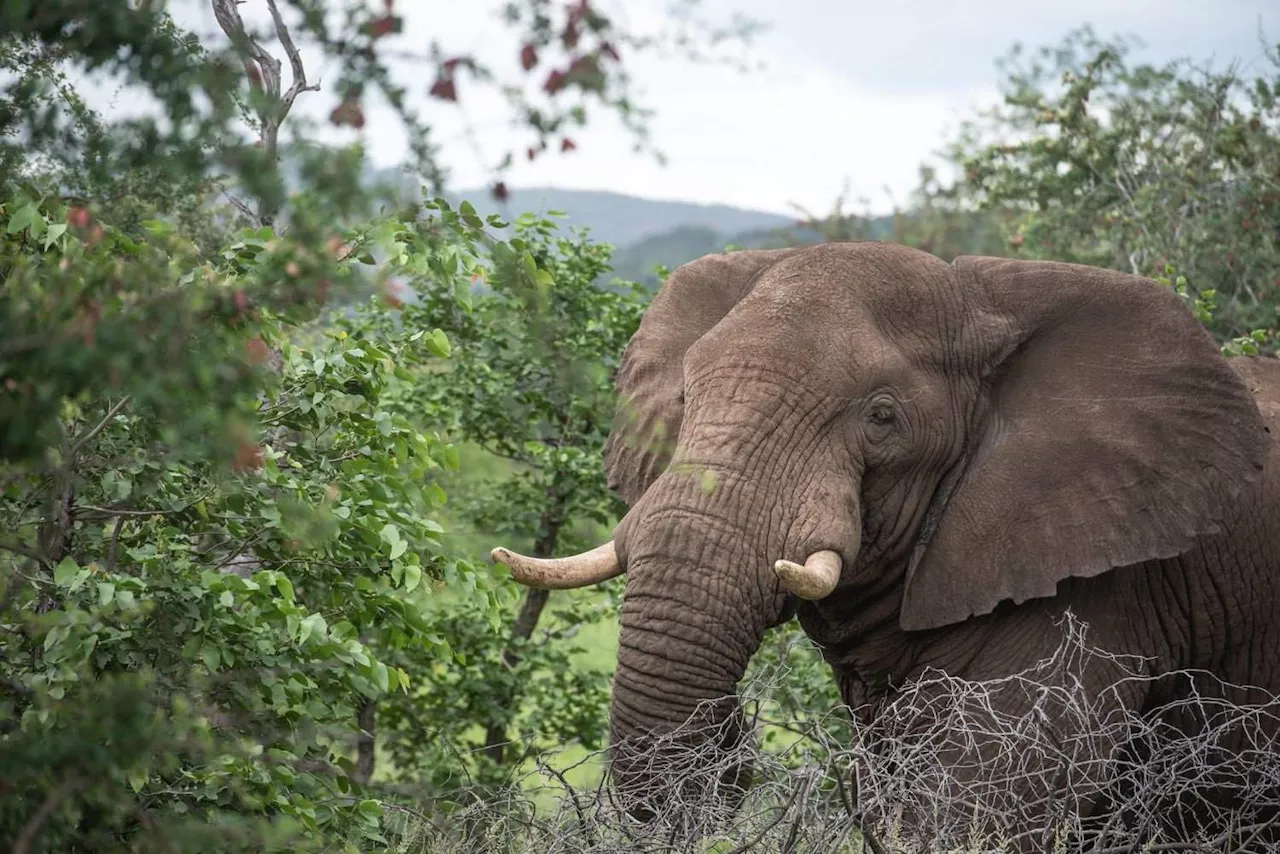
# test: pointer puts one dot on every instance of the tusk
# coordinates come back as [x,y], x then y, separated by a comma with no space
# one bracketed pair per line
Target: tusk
[561,573]
[815,580]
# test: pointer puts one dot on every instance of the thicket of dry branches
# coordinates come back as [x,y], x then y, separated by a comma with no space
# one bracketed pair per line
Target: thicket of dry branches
[940,768]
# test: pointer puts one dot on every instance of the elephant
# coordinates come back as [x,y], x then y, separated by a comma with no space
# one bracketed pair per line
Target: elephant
[928,464]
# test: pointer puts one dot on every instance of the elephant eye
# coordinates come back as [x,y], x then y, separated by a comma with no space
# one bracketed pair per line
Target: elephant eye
[881,415]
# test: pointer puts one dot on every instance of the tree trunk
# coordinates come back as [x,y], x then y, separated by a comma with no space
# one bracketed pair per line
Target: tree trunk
[495,737]
[365,742]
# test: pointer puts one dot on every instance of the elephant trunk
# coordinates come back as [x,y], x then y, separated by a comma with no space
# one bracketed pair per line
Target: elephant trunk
[699,596]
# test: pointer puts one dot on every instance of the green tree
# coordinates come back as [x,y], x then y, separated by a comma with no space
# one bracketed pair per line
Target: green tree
[530,383]
[219,497]
[1140,168]
[238,592]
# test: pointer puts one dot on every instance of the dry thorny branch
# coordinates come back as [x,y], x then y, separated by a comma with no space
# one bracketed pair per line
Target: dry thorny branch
[940,768]
[264,73]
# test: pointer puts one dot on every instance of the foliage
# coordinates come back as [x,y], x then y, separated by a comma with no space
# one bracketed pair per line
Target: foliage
[529,381]
[232,559]
[1138,168]
[220,496]
[531,378]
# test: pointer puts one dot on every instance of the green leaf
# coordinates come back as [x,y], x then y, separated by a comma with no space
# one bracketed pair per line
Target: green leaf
[137,778]
[55,231]
[106,592]
[438,343]
[24,217]
[210,656]
[65,572]
[469,215]
[285,586]
[55,636]
[398,548]
[159,227]
[312,624]
[412,576]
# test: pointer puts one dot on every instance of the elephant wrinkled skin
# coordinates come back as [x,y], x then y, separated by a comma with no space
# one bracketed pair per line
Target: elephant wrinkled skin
[976,447]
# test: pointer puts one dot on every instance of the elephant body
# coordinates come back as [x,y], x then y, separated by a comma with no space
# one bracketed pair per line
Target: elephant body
[1214,607]
[930,464]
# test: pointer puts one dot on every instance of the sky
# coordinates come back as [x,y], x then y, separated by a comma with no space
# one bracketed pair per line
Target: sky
[856,91]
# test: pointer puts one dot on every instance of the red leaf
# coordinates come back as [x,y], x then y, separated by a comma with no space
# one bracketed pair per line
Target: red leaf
[532,152]
[347,113]
[386,25]
[500,191]
[257,351]
[584,65]
[444,89]
[567,144]
[338,249]
[570,34]
[555,82]
[528,57]
[391,294]
[608,50]
[78,217]
[248,457]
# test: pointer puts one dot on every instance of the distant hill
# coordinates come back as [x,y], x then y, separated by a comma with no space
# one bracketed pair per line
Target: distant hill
[636,261]
[672,248]
[645,232]
[623,220]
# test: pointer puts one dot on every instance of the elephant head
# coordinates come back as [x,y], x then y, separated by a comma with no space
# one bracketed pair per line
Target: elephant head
[819,427]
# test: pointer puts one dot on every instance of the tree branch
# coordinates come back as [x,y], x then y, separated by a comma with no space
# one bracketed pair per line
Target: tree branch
[78,444]
[115,544]
[264,73]
[295,61]
[31,829]
[25,551]
[365,756]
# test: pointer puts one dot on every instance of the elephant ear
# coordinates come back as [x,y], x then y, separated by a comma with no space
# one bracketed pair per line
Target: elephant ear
[650,380]
[1109,430]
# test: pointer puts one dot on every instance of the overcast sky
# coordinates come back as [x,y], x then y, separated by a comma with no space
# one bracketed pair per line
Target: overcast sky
[862,90]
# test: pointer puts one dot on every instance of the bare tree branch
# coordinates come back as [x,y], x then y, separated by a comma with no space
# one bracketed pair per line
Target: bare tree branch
[295,62]
[264,73]
[946,765]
